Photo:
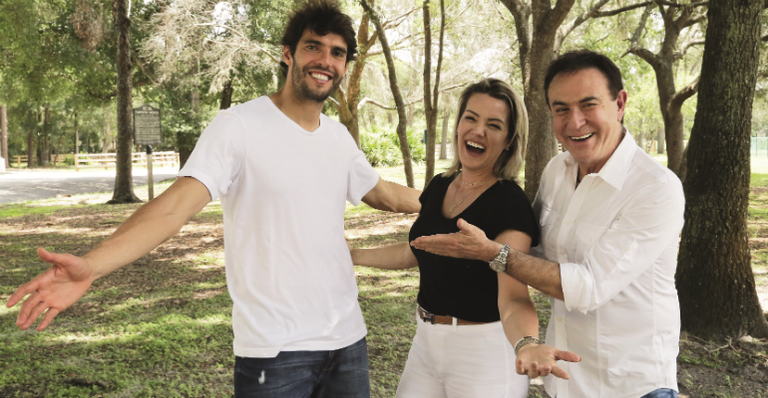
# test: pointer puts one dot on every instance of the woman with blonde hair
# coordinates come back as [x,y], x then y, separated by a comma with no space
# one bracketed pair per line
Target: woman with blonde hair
[470,313]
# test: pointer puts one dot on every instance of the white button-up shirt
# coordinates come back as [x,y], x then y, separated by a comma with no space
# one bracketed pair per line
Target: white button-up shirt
[615,236]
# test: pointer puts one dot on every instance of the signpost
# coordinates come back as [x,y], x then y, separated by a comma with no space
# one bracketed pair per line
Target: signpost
[147,131]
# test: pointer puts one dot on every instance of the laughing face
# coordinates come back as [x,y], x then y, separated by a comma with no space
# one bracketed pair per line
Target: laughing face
[317,66]
[482,133]
[585,118]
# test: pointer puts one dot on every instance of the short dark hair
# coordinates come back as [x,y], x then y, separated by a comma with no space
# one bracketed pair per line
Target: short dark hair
[575,61]
[510,162]
[321,17]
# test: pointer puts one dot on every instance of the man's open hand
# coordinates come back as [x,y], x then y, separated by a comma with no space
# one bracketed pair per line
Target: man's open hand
[470,242]
[52,291]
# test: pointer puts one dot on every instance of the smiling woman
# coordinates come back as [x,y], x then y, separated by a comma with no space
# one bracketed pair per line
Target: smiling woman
[470,310]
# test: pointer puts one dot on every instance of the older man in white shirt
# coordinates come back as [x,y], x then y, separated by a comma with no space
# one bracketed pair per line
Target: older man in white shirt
[610,217]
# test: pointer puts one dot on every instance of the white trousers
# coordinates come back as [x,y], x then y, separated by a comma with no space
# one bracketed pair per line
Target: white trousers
[468,361]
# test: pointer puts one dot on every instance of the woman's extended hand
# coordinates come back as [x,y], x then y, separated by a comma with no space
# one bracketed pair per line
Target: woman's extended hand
[541,360]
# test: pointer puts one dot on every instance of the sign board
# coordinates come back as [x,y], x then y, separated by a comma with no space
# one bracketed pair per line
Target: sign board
[146,125]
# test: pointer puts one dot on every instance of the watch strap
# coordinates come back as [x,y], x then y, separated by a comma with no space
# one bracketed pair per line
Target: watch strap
[499,264]
[525,341]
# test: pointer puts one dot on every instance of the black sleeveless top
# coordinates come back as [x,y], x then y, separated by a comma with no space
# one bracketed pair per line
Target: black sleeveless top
[467,289]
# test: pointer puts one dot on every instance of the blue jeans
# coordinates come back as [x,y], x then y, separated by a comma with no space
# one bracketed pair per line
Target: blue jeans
[661,393]
[341,373]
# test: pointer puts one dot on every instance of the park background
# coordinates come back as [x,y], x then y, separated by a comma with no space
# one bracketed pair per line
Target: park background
[70,72]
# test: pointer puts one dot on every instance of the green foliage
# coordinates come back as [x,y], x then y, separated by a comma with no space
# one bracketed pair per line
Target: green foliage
[379,149]
[417,146]
[381,146]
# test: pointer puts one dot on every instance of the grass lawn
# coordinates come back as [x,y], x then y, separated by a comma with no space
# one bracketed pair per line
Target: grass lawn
[162,326]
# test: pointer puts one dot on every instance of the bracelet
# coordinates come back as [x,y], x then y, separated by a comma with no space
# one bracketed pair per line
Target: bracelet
[525,341]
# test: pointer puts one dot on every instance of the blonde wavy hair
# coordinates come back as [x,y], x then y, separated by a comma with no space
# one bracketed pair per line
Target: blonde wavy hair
[510,162]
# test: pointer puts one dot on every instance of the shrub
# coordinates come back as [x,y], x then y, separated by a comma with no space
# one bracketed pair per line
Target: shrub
[382,147]
[416,145]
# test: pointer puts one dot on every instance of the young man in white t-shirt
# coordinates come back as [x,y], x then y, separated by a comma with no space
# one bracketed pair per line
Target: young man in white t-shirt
[284,173]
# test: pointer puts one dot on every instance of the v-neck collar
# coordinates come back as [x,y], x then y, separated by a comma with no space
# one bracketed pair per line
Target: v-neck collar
[445,193]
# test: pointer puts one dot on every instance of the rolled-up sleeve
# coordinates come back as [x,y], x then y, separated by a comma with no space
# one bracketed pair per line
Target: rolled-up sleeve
[647,225]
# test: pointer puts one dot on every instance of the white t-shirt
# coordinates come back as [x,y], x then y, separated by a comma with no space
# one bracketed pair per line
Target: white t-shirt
[283,192]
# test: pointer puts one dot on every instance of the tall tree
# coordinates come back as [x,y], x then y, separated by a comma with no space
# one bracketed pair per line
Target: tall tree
[32,129]
[348,96]
[43,142]
[204,47]
[676,18]
[402,135]
[444,133]
[4,134]
[714,277]
[123,192]
[432,99]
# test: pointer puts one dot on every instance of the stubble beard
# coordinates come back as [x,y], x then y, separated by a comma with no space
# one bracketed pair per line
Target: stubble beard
[302,88]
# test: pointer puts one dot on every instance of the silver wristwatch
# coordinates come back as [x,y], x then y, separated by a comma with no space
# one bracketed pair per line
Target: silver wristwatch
[525,341]
[499,264]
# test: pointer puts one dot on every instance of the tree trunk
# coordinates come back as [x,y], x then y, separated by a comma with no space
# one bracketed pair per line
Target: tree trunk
[671,111]
[226,95]
[430,112]
[661,142]
[108,135]
[31,148]
[536,25]
[349,99]
[43,143]
[431,100]
[186,140]
[77,136]
[401,115]
[663,63]
[673,121]
[186,143]
[4,135]
[714,278]
[444,136]
[542,144]
[123,192]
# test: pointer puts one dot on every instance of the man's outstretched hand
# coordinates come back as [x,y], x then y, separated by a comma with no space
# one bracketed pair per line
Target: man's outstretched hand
[52,291]
[541,360]
[470,243]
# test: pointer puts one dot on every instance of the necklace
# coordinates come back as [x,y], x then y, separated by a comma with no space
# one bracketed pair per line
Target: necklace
[453,202]
[472,184]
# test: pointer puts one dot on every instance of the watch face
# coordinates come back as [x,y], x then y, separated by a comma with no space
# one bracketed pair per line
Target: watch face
[498,266]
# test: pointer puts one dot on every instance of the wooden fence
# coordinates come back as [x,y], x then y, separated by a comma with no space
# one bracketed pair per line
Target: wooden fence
[19,159]
[107,160]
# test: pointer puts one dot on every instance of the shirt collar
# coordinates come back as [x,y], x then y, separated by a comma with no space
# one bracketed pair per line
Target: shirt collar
[615,170]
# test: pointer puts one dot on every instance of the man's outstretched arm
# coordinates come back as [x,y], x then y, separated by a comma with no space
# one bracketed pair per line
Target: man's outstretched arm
[470,242]
[389,196]
[69,277]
